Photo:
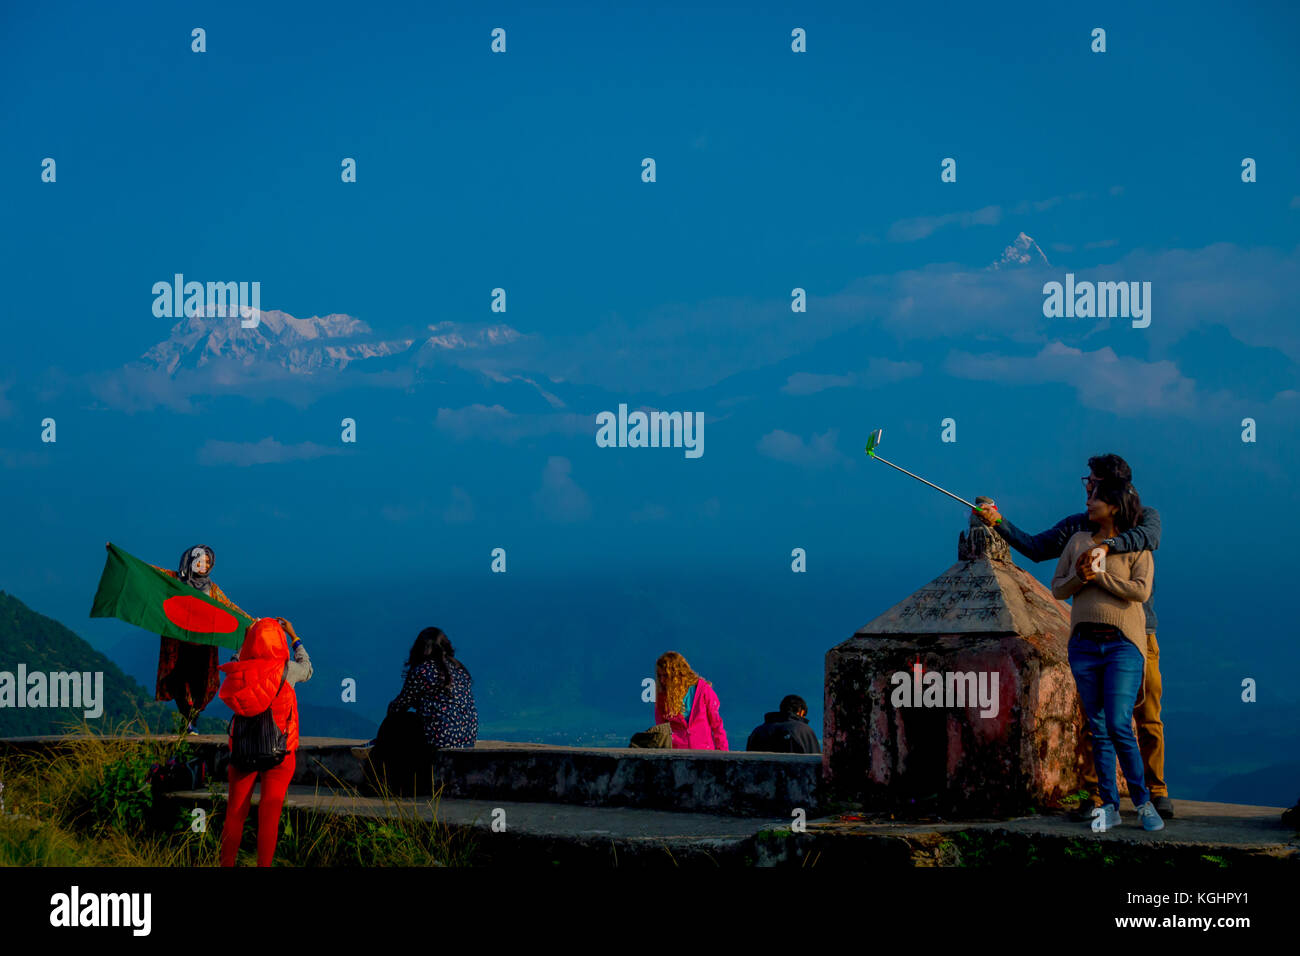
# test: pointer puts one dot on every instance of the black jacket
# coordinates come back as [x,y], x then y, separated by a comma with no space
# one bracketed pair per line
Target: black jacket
[784,735]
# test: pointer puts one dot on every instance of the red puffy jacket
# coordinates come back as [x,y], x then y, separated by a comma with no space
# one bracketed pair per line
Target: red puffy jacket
[250,684]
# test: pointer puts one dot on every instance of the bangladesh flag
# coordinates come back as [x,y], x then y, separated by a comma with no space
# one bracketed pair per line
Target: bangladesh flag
[142,595]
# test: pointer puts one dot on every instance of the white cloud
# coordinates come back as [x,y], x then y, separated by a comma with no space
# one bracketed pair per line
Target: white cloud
[919,227]
[817,452]
[23,459]
[808,383]
[880,371]
[267,451]
[461,509]
[1101,379]
[560,498]
[1038,205]
[404,513]
[500,424]
[650,511]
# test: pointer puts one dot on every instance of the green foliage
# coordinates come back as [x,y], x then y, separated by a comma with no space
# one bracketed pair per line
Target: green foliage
[123,799]
[31,843]
[401,836]
[89,802]
[1088,850]
[980,849]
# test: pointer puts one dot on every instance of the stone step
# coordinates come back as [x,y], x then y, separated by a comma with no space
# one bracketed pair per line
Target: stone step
[1204,836]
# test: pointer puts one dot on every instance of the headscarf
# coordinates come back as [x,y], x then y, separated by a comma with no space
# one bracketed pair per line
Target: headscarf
[187,573]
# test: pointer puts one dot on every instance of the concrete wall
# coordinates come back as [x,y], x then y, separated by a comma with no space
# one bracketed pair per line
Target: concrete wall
[738,784]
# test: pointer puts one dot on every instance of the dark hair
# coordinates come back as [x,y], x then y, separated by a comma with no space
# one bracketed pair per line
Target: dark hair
[1121,494]
[432,644]
[1111,468]
[792,704]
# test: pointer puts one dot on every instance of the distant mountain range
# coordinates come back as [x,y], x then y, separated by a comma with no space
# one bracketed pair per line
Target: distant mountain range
[308,345]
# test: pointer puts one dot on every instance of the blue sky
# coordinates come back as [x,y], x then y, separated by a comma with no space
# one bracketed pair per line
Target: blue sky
[775,170]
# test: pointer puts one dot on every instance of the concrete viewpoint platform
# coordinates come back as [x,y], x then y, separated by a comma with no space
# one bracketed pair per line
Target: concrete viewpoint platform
[1204,836]
[693,818]
[725,782]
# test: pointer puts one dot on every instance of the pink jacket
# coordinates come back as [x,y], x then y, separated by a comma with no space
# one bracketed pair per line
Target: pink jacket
[704,730]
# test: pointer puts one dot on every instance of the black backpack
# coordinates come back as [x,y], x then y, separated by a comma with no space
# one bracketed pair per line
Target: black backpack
[256,743]
[400,758]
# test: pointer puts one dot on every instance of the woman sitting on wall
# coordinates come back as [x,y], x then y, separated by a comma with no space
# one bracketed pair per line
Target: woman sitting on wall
[686,701]
[439,688]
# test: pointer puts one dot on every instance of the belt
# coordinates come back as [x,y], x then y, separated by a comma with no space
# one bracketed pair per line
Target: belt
[1098,632]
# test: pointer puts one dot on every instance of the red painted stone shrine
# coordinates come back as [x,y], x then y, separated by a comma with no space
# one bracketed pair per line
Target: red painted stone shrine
[930,747]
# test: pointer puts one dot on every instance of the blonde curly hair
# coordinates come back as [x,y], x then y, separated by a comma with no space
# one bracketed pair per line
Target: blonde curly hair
[673,678]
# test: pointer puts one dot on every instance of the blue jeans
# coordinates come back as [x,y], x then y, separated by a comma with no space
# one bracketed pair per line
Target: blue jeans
[1108,675]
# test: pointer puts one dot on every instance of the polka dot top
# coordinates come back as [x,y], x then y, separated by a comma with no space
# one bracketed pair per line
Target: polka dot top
[450,717]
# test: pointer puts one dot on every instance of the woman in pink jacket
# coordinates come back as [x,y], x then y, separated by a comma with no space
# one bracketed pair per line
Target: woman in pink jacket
[687,702]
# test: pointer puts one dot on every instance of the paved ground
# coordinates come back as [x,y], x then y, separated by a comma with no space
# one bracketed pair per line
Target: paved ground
[1216,824]
[538,819]
[1197,824]
[1201,834]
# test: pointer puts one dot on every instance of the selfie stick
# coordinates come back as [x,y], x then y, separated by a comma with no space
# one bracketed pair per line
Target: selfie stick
[874,441]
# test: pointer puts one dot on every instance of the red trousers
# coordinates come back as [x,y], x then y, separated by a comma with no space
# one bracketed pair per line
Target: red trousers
[275,783]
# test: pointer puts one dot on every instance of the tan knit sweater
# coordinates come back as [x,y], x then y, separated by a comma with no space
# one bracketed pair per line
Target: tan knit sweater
[1113,596]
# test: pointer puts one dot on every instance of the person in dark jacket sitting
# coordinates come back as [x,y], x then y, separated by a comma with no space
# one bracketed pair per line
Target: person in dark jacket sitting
[785,731]
[438,686]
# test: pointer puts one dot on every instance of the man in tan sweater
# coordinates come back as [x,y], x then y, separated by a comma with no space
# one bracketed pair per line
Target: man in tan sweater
[1144,536]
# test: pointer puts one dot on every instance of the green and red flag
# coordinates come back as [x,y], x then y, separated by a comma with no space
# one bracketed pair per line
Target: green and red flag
[140,594]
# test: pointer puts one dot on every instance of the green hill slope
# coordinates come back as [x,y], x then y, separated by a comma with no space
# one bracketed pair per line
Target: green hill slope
[43,644]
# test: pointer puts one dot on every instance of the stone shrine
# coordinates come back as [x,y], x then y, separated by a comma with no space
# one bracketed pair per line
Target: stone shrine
[906,730]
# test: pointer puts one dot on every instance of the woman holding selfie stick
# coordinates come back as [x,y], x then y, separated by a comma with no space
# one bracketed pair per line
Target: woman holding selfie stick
[1108,643]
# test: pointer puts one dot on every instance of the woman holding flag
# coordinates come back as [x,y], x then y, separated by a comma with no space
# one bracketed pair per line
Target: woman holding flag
[187,672]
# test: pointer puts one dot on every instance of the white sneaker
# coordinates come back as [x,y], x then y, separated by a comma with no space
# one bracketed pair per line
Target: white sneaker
[1105,817]
[1149,817]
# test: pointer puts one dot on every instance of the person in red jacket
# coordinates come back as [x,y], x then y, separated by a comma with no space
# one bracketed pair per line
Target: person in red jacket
[687,702]
[251,685]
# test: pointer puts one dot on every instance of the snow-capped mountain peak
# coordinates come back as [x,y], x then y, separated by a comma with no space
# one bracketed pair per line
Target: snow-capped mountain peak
[1023,251]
